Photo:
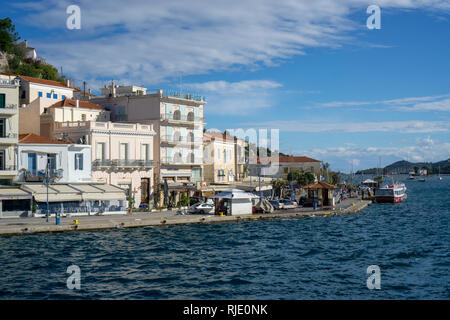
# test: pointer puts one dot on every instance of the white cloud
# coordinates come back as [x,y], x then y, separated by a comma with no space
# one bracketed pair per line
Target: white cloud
[412,126]
[150,41]
[437,103]
[426,150]
[240,87]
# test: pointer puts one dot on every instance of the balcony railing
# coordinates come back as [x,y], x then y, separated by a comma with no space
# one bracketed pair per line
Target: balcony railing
[40,175]
[183,140]
[123,163]
[7,82]
[9,135]
[175,161]
[8,168]
[180,118]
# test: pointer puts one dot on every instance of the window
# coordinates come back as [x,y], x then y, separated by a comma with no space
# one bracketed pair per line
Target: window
[52,162]
[144,152]
[224,155]
[49,95]
[2,100]
[2,159]
[40,94]
[24,94]
[55,96]
[123,151]
[32,163]
[3,127]
[83,117]
[78,161]
[100,151]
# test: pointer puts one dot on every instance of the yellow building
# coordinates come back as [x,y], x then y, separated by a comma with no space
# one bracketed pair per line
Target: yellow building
[219,160]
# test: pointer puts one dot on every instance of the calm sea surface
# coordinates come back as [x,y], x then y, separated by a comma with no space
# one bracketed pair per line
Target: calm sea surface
[312,258]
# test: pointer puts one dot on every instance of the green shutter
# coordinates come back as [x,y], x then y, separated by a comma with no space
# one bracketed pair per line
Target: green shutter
[2,100]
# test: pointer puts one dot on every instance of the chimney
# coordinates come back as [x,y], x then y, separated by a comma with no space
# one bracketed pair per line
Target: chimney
[77,103]
[113,89]
[68,82]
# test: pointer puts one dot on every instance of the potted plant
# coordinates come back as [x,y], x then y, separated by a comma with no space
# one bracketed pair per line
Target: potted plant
[130,204]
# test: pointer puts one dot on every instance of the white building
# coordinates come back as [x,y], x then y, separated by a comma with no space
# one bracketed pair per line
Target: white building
[9,126]
[68,163]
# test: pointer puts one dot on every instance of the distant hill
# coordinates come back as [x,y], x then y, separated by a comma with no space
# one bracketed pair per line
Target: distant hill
[404,166]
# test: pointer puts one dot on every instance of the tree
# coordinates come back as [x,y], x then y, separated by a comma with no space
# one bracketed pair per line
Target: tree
[8,35]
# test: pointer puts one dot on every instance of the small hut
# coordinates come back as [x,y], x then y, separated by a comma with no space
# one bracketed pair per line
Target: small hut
[233,202]
[370,183]
[322,192]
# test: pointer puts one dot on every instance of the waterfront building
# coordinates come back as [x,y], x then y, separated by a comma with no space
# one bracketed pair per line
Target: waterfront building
[67,162]
[9,126]
[122,153]
[35,95]
[219,159]
[67,168]
[178,122]
[290,163]
[241,172]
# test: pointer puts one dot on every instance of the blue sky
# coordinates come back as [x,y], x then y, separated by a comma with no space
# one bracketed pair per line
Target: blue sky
[336,90]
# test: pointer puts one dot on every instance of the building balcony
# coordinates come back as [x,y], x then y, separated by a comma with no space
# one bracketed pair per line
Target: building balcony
[6,171]
[177,119]
[173,140]
[9,83]
[9,110]
[180,162]
[40,176]
[9,138]
[109,127]
[117,163]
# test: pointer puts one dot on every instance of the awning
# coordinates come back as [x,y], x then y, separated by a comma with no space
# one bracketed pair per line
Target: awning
[59,197]
[103,196]
[14,194]
[73,192]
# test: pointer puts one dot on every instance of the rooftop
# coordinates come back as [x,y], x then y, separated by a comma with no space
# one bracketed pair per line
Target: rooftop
[73,103]
[38,80]
[32,138]
[297,159]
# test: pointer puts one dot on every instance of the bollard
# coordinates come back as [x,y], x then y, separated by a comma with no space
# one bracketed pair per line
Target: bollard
[75,222]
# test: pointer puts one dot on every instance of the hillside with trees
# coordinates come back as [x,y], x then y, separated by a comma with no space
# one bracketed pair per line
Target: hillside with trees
[13,56]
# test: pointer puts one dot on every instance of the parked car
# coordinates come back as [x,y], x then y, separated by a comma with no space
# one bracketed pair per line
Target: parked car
[144,205]
[202,208]
[288,204]
[277,205]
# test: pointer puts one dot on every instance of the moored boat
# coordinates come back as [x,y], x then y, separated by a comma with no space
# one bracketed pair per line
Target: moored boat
[394,193]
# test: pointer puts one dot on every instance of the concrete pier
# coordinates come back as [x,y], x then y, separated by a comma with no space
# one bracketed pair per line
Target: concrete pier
[37,225]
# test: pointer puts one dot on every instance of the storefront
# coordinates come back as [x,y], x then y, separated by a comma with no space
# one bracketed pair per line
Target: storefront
[76,199]
[14,202]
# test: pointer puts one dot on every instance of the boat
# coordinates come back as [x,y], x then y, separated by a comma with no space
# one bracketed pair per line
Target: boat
[439,176]
[411,178]
[422,180]
[394,193]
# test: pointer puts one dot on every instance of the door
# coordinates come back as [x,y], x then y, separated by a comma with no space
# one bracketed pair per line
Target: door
[145,190]
[32,163]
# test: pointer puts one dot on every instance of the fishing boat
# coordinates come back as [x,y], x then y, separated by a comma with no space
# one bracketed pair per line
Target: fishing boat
[394,193]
